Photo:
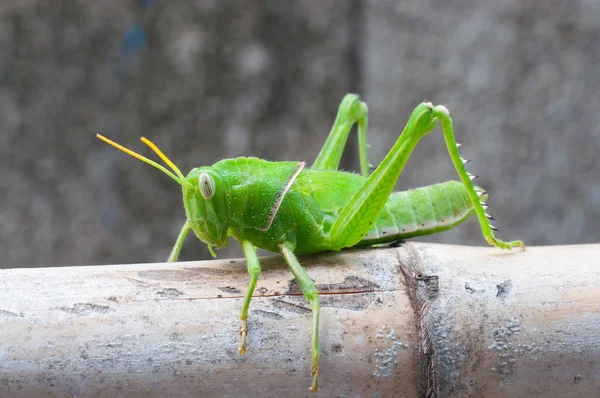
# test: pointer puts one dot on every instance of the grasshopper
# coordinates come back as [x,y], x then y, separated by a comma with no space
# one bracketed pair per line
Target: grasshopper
[288,208]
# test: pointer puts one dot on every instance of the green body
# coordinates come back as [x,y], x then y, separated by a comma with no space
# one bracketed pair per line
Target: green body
[287,208]
[311,206]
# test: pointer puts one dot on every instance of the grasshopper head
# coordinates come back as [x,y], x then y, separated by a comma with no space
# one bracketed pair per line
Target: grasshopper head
[205,204]
[204,196]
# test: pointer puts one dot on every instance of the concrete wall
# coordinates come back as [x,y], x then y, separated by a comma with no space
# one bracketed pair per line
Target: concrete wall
[212,79]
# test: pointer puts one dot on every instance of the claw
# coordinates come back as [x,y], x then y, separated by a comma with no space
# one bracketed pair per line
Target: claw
[315,374]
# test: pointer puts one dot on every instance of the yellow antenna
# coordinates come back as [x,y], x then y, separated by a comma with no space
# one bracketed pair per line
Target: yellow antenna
[179,177]
[163,157]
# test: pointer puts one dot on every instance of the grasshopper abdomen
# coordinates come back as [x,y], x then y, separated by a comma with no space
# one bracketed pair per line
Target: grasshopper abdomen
[421,211]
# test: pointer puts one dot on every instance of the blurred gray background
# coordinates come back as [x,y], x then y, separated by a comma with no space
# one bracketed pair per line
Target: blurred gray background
[210,79]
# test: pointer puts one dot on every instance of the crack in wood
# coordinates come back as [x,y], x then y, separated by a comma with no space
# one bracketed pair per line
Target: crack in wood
[422,290]
[220,296]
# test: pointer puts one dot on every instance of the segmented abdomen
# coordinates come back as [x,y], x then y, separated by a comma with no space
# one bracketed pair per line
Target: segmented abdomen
[421,211]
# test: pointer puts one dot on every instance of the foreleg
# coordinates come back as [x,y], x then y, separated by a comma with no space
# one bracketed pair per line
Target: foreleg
[179,243]
[254,271]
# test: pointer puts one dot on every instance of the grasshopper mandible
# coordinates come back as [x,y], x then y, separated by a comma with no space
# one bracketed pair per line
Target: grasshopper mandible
[288,208]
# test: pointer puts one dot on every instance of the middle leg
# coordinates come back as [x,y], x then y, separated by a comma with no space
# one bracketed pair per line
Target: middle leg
[352,110]
[312,295]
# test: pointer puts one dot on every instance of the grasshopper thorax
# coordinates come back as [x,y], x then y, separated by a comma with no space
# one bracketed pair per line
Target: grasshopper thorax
[205,202]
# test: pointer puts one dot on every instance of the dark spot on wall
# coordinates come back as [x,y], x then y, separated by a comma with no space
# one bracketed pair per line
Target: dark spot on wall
[504,289]
[350,283]
[86,309]
[176,337]
[229,289]
[298,308]
[8,314]
[262,290]
[169,293]
[354,293]
[473,289]
[181,274]
[353,302]
[139,283]
[268,314]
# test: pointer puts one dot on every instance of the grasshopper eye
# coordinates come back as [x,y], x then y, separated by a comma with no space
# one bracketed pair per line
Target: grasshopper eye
[207,185]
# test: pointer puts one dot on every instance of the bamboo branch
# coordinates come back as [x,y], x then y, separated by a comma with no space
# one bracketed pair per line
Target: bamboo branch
[420,320]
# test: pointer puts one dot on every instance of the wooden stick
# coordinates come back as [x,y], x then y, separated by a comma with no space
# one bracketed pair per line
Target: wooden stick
[420,320]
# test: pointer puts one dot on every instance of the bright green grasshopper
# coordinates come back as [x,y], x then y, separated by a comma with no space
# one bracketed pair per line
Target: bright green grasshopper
[288,208]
